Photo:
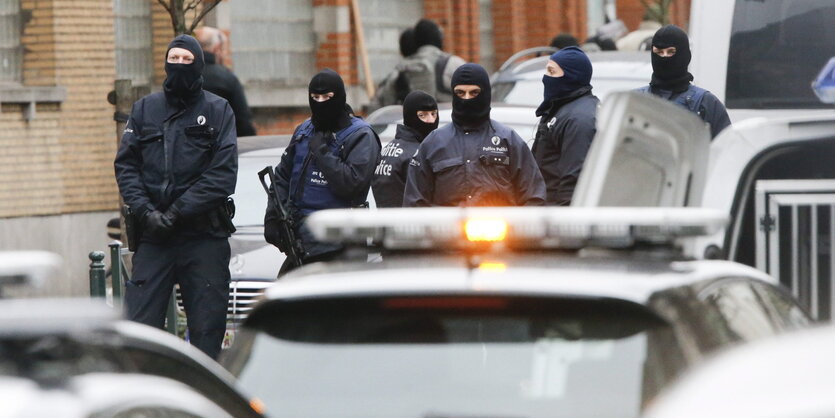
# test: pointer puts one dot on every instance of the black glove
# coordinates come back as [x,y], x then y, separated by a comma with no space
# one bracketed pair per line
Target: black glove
[318,139]
[158,226]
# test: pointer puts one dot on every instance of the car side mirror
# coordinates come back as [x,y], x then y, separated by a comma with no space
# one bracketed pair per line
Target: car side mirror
[824,83]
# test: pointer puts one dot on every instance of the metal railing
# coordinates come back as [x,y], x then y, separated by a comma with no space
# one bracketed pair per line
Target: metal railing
[796,230]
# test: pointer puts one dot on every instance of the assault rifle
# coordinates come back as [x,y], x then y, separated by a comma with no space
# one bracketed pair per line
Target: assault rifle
[288,242]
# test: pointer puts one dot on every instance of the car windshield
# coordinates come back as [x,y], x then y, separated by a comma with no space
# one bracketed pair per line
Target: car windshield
[251,201]
[776,50]
[417,358]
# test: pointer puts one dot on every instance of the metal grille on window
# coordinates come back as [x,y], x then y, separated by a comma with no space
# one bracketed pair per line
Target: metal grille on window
[273,42]
[133,41]
[10,49]
[796,229]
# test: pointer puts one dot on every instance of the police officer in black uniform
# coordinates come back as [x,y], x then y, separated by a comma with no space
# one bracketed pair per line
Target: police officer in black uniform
[420,117]
[474,161]
[567,123]
[671,80]
[176,166]
[328,164]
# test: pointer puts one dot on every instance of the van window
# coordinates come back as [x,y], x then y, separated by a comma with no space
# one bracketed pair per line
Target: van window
[776,50]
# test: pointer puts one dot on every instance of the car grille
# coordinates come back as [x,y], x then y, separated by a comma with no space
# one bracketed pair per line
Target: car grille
[243,294]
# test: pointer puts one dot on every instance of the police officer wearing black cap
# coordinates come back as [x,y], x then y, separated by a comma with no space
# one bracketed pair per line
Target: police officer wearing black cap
[474,161]
[671,80]
[420,117]
[328,164]
[176,166]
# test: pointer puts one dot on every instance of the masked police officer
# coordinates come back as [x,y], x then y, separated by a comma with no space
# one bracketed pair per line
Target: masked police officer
[671,80]
[567,123]
[420,117]
[176,166]
[328,164]
[474,161]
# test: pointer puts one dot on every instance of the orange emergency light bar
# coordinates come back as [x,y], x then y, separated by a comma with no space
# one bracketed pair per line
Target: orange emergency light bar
[529,228]
[485,229]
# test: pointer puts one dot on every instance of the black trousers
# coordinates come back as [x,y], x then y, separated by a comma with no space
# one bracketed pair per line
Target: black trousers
[201,267]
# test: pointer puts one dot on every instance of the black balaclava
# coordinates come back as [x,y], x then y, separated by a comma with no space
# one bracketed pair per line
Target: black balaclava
[577,68]
[427,32]
[670,73]
[414,102]
[407,42]
[331,115]
[471,112]
[184,82]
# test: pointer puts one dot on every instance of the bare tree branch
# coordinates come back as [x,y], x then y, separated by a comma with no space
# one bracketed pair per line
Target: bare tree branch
[165,5]
[192,4]
[207,7]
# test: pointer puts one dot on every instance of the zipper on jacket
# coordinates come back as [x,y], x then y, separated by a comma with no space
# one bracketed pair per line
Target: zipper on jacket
[167,170]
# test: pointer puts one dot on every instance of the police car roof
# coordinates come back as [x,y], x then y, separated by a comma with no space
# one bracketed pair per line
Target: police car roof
[620,276]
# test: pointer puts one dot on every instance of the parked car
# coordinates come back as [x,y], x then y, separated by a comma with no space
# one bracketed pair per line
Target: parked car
[521,84]
[71,346]
[790,376]
[104,395]
[536,312]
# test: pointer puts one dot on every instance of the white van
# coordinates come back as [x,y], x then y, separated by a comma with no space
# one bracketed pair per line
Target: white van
[759,57]
[774,176]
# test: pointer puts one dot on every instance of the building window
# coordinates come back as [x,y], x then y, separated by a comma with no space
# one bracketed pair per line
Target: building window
[133,41]
[273,43]
[11,53]
[485,28]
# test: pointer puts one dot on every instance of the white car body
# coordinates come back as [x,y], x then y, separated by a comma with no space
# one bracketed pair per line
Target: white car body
[789,376]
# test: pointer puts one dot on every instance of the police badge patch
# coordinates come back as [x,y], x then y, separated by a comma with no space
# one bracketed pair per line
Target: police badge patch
[201,120]
[551,122]
[495,140]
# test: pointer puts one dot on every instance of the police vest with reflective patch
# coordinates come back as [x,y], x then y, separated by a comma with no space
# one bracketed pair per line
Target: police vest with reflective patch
[690,98]
[308,186]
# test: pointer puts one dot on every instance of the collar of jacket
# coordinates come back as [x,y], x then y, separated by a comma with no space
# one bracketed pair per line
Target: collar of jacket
[471,128]
[407,133]
[549,108]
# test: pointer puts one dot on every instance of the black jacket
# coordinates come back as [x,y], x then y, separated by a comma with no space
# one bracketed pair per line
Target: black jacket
[562,141]
[347,174]
[185,158]
[487,166]
[219,80]
[709,108]
[390,175]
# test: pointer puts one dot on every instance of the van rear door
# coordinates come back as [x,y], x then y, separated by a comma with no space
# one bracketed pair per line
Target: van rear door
[647,152]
